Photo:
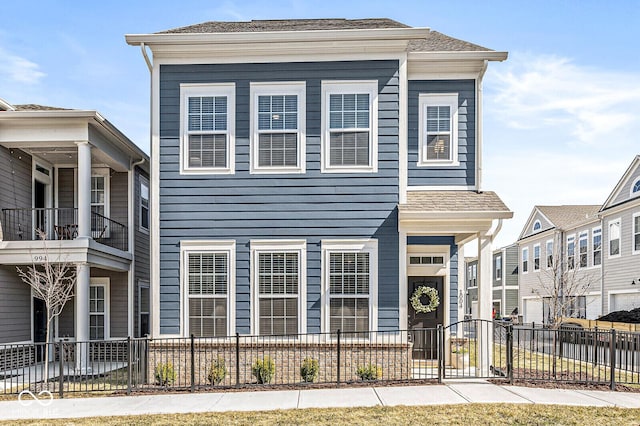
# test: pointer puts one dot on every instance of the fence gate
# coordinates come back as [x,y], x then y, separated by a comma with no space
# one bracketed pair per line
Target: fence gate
[474,349]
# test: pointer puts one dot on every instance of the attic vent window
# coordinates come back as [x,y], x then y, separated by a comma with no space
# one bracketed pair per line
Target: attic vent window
[537,225]
[636,187]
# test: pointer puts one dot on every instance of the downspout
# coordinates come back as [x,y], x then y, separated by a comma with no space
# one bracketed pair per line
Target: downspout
[131,242]
[602,299]
[479,127]
[143,47]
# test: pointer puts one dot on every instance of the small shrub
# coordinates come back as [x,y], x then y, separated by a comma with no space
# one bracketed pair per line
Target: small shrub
[217,371]
[165,374]
[309,370]
[264,369]
[369,372]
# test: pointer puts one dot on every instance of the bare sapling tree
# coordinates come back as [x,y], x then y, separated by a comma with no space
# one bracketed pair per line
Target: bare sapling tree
[562,282]
[52,281]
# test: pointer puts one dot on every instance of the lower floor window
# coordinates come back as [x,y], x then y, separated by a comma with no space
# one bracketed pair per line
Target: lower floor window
[97,312]
[208,275]
[349,291]
[278,284]
[143,309]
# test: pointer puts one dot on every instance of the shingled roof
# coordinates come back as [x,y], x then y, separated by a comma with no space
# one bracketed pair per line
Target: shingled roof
[434,42]
[453,201]
[569,215]
[35,107]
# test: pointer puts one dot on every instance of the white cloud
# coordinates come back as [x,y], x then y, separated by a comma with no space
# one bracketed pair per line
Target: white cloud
[16,69]
[539,91]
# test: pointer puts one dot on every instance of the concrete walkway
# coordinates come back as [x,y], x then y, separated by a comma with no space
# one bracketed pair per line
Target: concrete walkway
[453,392]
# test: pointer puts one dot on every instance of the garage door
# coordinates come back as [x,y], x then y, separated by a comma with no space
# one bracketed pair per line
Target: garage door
[474,309]
[593,307]
[624,301]
[533,310]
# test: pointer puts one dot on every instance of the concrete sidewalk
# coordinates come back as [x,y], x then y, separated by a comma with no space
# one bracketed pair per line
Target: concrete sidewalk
[453,392]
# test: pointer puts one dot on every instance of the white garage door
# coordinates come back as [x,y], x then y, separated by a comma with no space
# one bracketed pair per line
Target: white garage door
[624,301]
[533,311]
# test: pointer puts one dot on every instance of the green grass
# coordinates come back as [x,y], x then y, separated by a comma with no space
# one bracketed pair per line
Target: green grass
[484,414]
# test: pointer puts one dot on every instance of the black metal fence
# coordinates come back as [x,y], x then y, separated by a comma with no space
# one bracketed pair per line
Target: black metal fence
[60,224]
[471,348]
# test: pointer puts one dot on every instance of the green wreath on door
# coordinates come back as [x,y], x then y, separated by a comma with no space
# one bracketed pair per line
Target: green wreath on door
[434,299]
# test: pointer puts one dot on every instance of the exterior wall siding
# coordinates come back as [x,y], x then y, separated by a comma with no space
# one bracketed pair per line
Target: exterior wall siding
[15,307]
[312,205]
[141,247]
[464,174]
[119,197]
[66,188]
[15,174]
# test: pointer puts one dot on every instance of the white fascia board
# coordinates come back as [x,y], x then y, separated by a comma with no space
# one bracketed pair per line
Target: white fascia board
[480,55]
[453,215]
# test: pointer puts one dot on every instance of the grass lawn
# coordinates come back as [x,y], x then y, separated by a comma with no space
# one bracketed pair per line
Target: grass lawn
[481,414]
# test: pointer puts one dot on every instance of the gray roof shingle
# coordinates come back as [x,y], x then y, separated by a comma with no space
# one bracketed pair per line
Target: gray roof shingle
[438,42]
[568,215]
[35,107]
[453,201]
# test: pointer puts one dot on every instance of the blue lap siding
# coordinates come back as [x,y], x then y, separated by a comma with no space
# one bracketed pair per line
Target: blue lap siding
[464,174]
[310,206]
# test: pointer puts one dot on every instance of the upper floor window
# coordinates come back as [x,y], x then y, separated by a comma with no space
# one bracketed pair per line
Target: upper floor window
[597,246]
[278,127]
[100,203]
[571,251]
[438,129]
[635,188]
[497,270]
[525,260]
[144,204]
[350,121]
[614,238]
[474,275]
[583,249]
[207,128]
[536,257]
[636,234]
[537,225]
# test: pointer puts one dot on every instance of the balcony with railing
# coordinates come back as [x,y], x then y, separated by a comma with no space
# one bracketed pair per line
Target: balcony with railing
[60,224]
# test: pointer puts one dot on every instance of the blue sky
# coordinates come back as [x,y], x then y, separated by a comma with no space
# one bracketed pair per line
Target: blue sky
[561,115]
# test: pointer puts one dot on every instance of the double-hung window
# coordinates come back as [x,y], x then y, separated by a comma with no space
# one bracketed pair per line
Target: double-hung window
[99,309]
[207,128]
[144,204]
[597,246]
[583,249]
[100,203]
[350,121]
[525,260]
[498,267]
[279,283]
[536,257]
[571,251]
[208,274]
[278,127]
[614,238]
[438,129]
[635,249]
[350,276]
[550,254]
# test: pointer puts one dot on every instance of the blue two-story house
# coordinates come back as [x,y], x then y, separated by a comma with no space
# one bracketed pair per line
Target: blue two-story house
[309,175]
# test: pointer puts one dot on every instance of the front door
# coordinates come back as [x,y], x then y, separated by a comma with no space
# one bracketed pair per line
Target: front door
[39,326]
[423,326]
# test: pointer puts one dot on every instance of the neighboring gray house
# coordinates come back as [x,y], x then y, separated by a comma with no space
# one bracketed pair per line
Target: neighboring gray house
[471,287]
[309,175]
[73,175]
[505,280]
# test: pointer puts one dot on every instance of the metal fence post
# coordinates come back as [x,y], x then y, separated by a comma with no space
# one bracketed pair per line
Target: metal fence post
[237,359]
[510,353]
[129,365]
[61,371]
[441,355]
[193,362]
[612,358]
[338,357]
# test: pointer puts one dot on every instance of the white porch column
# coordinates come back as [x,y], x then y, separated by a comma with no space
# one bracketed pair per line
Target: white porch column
[84,189]
[485,304]
[82,314]
[461,287]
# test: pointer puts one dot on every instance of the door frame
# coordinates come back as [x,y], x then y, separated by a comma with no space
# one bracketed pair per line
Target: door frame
[46,180]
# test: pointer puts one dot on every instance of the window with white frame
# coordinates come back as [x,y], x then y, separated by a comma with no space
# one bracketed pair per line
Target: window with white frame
[144,204]
[536,257]
[597,246]
[537,225]
[614,238]
[144,308]
[207,128]
[279,282]
[636,234]
[350,275]
[635,188]
[438,129]
[583,249]
[208,275]
[474,275]
[98,309]
[278,127]
[571,251]
[525,260]
[350,121]
[549,249]
[497,269]
[99,203]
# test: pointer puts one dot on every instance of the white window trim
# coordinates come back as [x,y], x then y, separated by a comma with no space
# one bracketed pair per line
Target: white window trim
[106,174]
[103,282]
[439,99]
[357,245]
[546,253]
[188,90]
[633,233]
[144,181]
[524,255]
[270,246]
[533,228]
[495,269]
[583,236]
[631,193]
[571,237]
[297,88]
[593,234]
[533,258]
[619,222]
[207,246]
[330,87]
[143,284]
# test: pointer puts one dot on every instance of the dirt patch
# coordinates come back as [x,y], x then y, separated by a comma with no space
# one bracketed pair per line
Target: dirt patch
[632,316]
